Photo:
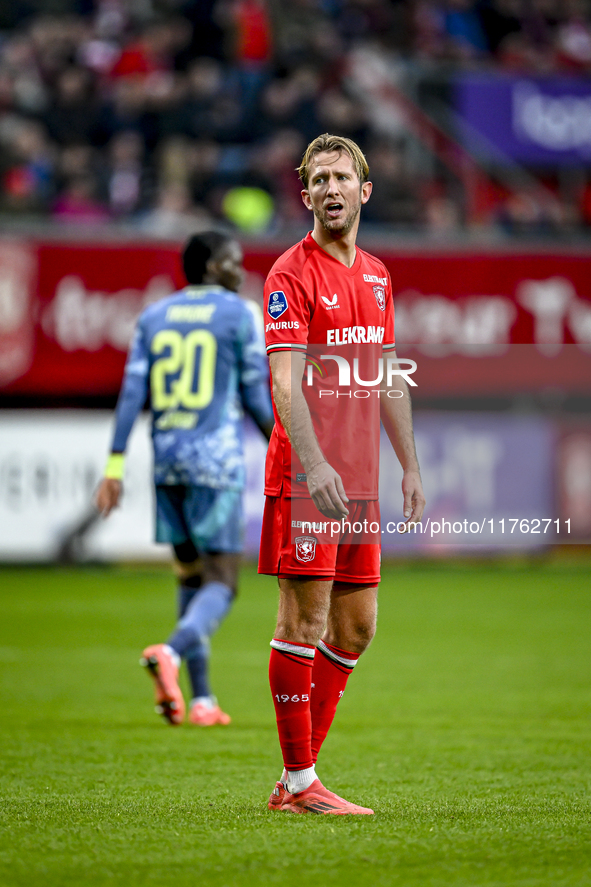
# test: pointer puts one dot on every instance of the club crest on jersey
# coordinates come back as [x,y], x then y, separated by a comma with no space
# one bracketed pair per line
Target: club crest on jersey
[277,304]
[380,294]
[305,547]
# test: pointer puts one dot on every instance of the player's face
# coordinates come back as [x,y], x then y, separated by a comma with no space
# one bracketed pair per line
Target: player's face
[334,192]
[229,272]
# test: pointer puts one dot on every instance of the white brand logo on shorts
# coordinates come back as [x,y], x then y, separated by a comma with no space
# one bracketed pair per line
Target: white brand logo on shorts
[305,548]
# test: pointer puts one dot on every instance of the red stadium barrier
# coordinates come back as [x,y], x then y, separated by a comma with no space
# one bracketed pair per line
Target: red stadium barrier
[67,311]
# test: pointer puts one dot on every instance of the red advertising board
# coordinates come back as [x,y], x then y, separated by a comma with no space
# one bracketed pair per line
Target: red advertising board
[67,312]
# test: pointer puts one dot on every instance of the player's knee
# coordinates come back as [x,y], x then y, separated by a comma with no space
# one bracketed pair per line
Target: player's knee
[363,635]
[189,574]
[194,580]
[354,636]
[222,567]
[301,628]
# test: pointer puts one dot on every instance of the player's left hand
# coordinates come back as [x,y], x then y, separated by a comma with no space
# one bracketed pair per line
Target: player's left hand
[108,495]
[414,498]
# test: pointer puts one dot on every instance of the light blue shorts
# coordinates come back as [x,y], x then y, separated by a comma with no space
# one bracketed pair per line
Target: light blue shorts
[212,519]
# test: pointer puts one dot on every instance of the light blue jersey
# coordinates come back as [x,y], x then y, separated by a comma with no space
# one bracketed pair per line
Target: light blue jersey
[200,355]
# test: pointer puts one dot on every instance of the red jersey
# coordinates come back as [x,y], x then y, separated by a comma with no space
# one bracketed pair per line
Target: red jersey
[342,318]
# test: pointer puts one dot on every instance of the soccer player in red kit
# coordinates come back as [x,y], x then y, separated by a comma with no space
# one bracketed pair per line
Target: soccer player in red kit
[329,321]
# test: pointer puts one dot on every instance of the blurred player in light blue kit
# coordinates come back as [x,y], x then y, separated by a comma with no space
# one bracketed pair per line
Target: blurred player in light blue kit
[200,356]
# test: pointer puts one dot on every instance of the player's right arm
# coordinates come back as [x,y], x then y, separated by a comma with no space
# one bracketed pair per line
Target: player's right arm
[324,484]
[132,398]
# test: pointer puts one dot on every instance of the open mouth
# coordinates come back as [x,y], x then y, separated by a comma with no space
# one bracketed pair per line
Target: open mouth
[334,209]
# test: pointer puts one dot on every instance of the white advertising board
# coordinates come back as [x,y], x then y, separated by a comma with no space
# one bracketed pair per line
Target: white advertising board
[50,464]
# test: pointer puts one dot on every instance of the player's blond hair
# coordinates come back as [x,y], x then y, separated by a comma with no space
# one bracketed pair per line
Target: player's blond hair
[327,142]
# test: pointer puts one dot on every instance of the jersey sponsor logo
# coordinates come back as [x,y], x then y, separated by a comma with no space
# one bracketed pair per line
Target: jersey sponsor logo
[283,325]
[305,548]
[355,334]
[331,303]
[372,278]
[277,304]
[380,294]
[311,526]
[176,419]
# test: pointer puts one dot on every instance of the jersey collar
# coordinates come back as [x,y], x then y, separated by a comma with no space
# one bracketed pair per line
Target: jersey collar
[197,291]
[311,244]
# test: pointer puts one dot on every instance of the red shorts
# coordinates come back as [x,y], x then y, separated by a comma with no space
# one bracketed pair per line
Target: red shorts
[296,540]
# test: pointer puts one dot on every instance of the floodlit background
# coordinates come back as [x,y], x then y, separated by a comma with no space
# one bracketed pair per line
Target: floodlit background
[125,125]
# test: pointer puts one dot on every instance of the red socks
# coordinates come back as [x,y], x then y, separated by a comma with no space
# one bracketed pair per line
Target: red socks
[306,685]
[332,667]
[290,677]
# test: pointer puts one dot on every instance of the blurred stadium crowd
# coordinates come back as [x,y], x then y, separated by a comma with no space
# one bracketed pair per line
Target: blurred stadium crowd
[167,115]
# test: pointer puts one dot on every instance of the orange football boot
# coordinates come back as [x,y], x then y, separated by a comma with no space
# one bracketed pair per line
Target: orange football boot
[277,796]
[167,693]
[206,716]
[317,799]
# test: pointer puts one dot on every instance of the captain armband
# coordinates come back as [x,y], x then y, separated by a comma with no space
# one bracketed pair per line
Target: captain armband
[115,466]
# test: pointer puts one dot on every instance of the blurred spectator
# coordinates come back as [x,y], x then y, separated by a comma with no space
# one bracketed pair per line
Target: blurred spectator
[395,199]
[519,53]
[464,29]
[442,217]
[55,40]
[291,101]
[78,202]
[150,53]
[172,160]
[18,61]
[338,112]
[76,160]
[207,35]
[272,167]
[72,115]
[143,81]
[203,89]
[206,179]
[174,215]
[126,179]
[250,48]
[252,33]
[573,37]
[500,18]
[295,25]
[429,30]
[364,20]
[125,108]
[28,163]
[530,211]
[209,107]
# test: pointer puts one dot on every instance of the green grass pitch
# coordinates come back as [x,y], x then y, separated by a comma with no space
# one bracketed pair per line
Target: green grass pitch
[466,727]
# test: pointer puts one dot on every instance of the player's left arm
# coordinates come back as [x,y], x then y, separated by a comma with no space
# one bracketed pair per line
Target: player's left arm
[254,371]
[396,415]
